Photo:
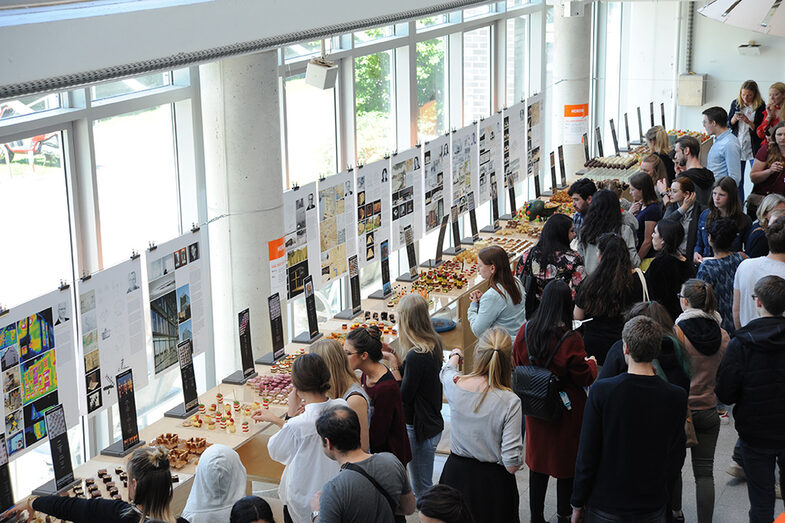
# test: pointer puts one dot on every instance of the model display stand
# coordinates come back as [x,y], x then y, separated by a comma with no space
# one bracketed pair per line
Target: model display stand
[179,412]
[452,251]
[379,295]
[305,337]
[347,314]
[407,277]
[490,228]
[49,488]
[431,264]
[467,241]
[269,358]
[116,449]
[238,378]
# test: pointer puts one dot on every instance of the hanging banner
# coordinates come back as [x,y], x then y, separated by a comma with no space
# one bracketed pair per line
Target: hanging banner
[436,160]
[276,253]
[37,356]
[575,123]
[490,159]
[465,164]
[337,224]
[373,216]
[534,133]
[301,233]
[514,143]
[177,307]
[112,329]
[406,186]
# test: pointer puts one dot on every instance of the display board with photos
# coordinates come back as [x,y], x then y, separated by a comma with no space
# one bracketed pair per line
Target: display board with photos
[177,300]
[490,156]
[301,236]
[534,133]
[372,200]
[38,361]
[514,126]
[405,184]
[436,182]
[465,164]
[112,332]
[337,238]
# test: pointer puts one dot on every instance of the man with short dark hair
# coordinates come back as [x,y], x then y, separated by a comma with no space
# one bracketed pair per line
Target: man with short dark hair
[632,441]
[725,155]
[752,375]
[581,192]
[368,487]
[753,269]
[686,153]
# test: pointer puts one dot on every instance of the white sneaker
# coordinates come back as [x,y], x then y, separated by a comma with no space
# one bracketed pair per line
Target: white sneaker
[777,490]
[724,417]
[736,471]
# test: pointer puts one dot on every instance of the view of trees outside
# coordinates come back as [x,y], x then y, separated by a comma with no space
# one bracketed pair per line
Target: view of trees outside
[476,74]
[432,118]
[375,119]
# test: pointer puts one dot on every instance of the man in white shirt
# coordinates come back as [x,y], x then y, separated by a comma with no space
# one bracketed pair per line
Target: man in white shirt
[753,269]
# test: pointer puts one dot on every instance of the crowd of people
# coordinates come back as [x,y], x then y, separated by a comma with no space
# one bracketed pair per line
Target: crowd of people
[650,316]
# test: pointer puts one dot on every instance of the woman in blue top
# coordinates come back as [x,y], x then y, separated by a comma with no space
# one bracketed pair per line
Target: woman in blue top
[724,203]
[647,211]
[502,305]
[720,270]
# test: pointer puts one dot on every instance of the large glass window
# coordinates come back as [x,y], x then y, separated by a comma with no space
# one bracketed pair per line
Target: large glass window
[432,21]
[28,105]
[137,181]
[372,35]
[474,12]
[516,66]
[35,227]
[432,114]
[130,85]
[476,74]
[310,126]
[375,119]
[302,49]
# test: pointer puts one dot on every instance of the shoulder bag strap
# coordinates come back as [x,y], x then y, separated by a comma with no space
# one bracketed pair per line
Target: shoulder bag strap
[359,469]
[643,284]
[558,346]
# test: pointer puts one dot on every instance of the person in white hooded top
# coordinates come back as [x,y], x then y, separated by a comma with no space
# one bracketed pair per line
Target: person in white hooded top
[297,445]
[219,482]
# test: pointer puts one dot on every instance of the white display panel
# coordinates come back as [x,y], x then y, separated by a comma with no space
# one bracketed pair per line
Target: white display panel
[337,226]
[465,164]
[301,238]
[436,182]
[112,333]
[406,183]
[514,125]
[490,151]
[37,357]
[534,133]
[177,306]
[372,200]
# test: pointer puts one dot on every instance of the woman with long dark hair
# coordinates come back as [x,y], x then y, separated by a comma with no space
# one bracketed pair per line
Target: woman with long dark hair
[502,305]
[551,259]
[606,294]
[604,216]
[669,269]
[552,446]
[768,170]
[724,203]
[646,209]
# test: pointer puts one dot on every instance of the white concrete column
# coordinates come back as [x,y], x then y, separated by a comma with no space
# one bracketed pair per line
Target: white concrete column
[242,142]
[571,74]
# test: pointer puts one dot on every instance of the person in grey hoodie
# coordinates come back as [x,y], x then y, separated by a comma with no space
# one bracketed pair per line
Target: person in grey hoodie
[704,341]
[752,375]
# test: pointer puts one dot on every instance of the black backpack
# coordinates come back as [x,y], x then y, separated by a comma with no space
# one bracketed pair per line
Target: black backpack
[537,387]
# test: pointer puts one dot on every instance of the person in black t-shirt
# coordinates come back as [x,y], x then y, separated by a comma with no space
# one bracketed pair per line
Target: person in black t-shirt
[687,156]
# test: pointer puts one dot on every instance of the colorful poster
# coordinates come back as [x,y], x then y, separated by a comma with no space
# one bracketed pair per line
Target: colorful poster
[490,131]
[373,215]
[436,161]
[301,229]
[177,301]
[38,368]
[276,253]
[465,160]
[534,133]
[337,225]
[514,143]
[112,328]
[405,179]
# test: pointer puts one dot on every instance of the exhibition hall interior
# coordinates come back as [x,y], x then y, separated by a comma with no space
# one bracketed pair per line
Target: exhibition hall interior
[426,260]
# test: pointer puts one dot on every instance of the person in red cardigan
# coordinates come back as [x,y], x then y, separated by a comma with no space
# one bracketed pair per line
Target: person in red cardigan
[552,447]
[771,116]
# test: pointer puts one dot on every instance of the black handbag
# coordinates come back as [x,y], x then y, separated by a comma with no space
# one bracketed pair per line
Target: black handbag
[538,388]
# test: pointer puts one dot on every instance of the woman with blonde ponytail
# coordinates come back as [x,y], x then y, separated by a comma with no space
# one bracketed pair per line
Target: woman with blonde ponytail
[149,492]
[486,444]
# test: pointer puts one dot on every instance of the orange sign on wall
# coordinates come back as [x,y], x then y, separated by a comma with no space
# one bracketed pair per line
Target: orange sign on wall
[576,111]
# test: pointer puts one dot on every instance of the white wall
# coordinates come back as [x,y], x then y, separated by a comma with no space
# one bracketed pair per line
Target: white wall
[32,48]
[716,55]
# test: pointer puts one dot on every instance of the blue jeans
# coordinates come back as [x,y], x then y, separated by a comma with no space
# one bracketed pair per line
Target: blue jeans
[421,465]
[759,467]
